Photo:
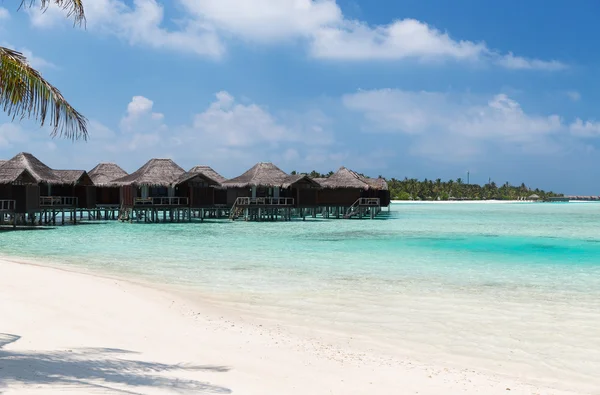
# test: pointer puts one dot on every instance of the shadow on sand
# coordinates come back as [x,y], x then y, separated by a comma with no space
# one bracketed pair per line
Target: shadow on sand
[102,369]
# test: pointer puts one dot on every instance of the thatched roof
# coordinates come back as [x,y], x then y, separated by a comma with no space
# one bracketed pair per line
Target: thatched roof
[156,172]
[262,174]
[209,172]
[300,178]
[191,175]
[39,171]
[2,161]
[72,177]
[16,176]
[104,174]
[377,183]
[346,178]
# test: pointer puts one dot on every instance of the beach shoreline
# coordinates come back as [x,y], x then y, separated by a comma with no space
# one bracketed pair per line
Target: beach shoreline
[64,330]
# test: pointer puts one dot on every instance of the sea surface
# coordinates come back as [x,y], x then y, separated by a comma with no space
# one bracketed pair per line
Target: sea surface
[513,287]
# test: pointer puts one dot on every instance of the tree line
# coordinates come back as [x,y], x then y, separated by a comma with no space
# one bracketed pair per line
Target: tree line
[414,189]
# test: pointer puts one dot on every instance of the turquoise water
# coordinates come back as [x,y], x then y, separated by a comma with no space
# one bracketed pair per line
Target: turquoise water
[516,286]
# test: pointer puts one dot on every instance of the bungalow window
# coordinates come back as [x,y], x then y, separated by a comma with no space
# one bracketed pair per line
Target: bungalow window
[159,192]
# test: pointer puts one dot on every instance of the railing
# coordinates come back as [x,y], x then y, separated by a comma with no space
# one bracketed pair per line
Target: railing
[7,205]
[264,201]
[58,201]
[368,202]
[161,201]
[355,209]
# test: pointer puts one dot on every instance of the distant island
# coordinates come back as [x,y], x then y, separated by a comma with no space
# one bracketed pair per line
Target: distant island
[413,189]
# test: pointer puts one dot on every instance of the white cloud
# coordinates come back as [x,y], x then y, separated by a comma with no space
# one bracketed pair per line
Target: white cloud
[319,23]
[140,24]
[233,135]
[510,61]
[4,14]
[35,61]
[443,126]
[585,129]
[238,125]
[140,116]
[266,20]
[226,134]
[408,38]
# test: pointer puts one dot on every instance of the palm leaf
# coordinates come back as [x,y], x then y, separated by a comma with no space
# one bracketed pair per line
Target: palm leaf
[74,8]
[25,93]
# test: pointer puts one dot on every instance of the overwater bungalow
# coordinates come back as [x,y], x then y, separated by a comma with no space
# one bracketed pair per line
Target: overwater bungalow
[267,190]
[220,193]
[152,191]
[54,191]
[203,187]
[16,186]
[151,184]
[76,183]
[108,193]
[350,194]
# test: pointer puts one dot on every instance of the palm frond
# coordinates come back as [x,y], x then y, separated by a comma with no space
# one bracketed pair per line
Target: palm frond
[24,93]
[74,8]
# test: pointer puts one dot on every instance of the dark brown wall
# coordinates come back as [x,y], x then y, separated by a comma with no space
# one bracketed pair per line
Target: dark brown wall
[128,194]
[86,195]
[234,193]
[32,197]
[338,197]
[27,197]
[202,196]
[221,196]
[305,197]
[108,195]
[384,197]
[6,192]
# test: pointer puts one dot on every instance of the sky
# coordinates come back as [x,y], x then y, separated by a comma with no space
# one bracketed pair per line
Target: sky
[506,91]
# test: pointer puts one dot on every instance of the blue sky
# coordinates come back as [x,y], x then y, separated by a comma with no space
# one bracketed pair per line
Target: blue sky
[426,88]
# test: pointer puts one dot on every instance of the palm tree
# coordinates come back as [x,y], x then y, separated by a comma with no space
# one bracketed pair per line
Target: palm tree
[24,93]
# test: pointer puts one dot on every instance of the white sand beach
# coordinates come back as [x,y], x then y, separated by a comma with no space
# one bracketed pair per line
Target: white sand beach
[68,332]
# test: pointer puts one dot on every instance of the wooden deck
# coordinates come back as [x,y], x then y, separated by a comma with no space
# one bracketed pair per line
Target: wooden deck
[50,202]
[62,210]
[161,201]
[262,208]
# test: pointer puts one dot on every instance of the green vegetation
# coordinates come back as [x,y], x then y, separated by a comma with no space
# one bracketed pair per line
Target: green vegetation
[313,174]
[413,189]
[24,93]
